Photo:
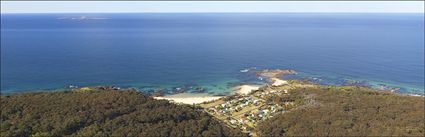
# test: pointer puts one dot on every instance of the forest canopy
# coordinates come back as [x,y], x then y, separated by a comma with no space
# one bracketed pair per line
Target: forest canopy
[321,111]
[347,111]
[104,113]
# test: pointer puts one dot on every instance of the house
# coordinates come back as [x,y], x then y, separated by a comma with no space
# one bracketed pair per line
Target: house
[233,121]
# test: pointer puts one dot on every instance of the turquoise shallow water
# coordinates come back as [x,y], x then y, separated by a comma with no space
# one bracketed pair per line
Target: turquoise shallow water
[169,51]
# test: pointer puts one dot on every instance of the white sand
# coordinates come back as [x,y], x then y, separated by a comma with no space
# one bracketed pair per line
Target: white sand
[278,82]
[188,99]
[246,89]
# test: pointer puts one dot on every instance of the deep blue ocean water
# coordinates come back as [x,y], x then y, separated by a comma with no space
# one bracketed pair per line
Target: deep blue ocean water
[168,50]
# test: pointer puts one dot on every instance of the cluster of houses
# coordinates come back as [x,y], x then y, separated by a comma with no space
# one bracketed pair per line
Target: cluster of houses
[234,105]
[251,118]
[272,92]
[265,112]
[246,111]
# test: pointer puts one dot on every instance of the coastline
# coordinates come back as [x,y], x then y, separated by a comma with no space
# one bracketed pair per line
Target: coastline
[244,112]
[205,93]
[278,82]
[245,89]
[190,99]
[187,98]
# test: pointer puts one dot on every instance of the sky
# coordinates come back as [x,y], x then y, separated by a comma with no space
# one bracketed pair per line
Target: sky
[211,6]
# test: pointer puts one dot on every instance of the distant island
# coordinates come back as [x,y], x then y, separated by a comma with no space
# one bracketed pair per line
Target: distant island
[82,18]
[280,108]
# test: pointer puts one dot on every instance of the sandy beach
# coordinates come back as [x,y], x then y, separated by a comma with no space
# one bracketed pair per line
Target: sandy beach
[246,89]
[186,98]
[189,99]
[278,82]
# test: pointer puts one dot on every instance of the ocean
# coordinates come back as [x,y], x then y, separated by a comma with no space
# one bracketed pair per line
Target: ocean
[151,51]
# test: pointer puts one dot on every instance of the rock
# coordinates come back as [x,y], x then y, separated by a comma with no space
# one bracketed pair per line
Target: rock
[159,93]
[178,90]
[274,73]
[199,90]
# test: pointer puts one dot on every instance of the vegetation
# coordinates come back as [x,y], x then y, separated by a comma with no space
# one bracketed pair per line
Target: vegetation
[346,111]
[246,111]
[295,109]
[103,113]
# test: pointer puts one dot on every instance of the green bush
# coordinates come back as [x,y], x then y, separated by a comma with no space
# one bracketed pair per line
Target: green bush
[103,113]
[348,111]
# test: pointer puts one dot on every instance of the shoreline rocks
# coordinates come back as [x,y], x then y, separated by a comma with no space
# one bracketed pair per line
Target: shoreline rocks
[274,73]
